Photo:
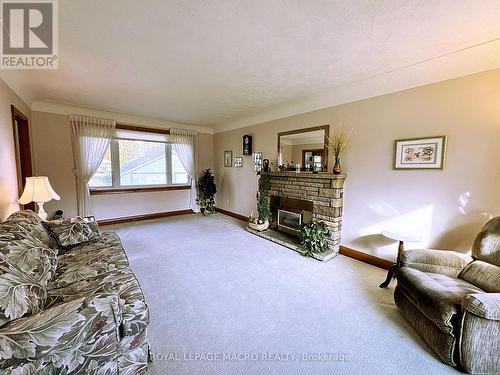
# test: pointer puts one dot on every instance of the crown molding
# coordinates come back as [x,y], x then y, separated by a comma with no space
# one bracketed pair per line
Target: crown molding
[123,118]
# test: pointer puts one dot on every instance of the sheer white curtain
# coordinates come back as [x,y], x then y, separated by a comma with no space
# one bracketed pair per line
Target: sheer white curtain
[184,143]
[90,138]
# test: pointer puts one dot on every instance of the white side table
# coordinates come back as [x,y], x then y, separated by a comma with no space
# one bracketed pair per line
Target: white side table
[401,237]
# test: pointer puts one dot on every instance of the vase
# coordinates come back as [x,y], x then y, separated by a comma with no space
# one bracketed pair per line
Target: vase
[337,168]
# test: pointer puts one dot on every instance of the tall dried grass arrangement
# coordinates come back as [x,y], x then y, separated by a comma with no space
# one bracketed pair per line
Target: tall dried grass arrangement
[337,142]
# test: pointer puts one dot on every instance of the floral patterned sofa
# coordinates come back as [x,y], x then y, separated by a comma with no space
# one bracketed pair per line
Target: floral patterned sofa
[79,311]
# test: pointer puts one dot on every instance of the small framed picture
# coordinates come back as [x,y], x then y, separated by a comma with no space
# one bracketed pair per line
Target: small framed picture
[257,161]
[420,153]
[228,158]
[238,161]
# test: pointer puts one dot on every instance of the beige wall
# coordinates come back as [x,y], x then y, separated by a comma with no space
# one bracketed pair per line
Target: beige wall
[123,205]
[8,172]
[53,157]
[446,208]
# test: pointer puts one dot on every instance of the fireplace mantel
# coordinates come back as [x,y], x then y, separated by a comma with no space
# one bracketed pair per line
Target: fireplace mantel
[324,190]
[319,175]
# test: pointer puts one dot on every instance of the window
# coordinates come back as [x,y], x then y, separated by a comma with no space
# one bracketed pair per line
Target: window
[103,177]
[136,163]
[142,163]
[179,174]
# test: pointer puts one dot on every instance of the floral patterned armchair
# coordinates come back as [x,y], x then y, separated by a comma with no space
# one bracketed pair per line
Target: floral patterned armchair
[75,312]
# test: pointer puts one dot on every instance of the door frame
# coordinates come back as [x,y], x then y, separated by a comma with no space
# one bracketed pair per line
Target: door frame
[24,162]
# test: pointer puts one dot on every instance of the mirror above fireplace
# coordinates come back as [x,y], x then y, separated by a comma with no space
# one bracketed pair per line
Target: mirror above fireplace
[306,147]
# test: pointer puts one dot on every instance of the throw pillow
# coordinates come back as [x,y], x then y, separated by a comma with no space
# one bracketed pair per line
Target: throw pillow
[73,232]
[32,226]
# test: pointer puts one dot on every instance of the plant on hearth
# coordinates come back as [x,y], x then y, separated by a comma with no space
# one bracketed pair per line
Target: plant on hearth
[264,213]
[206,191]
[252,219]
[313,238]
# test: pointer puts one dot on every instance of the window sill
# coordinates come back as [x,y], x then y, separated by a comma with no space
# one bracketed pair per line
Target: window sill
[127,190]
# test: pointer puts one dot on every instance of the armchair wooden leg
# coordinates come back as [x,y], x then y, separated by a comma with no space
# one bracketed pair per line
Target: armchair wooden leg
[390,275]
[392,271]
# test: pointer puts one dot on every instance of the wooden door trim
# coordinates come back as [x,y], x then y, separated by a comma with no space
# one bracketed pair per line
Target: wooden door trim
[17,114]
[21,149]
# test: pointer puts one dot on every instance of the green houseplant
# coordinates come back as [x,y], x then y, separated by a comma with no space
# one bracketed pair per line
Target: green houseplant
[313,238]
[261,222]
[206,192]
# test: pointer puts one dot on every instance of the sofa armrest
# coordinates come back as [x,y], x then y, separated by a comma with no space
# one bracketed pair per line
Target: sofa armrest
[484,305]
[435,261]
[54,335]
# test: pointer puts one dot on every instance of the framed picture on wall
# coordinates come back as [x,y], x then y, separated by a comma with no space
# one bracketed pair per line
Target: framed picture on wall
[420,153]
[228,158]
[238,161]
[257,161]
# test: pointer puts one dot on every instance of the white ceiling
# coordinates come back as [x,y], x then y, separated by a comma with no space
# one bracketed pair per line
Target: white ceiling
[230,63]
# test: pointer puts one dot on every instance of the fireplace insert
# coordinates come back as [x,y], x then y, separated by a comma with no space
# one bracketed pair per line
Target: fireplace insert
[289,222]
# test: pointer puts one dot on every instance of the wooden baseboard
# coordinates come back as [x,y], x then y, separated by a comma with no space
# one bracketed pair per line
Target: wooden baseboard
[348,252]
[156,215]
[367,258]
[232,214]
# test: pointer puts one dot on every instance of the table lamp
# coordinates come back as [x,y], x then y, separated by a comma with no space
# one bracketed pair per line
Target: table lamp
[38,189]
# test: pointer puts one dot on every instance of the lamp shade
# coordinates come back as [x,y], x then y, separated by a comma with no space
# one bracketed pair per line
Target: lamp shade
[38,190]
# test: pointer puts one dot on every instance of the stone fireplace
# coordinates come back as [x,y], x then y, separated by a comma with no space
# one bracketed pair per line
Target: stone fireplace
[316,197]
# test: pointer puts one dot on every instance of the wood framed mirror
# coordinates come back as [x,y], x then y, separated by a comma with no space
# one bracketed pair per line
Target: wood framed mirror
[306,147]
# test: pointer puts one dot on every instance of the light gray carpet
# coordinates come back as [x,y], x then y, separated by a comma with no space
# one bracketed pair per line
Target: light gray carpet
[216,290]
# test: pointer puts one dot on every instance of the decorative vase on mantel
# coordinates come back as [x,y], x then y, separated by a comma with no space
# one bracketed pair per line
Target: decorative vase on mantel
[337,168]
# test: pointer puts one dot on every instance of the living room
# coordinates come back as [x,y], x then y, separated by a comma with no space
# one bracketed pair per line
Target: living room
[250,187]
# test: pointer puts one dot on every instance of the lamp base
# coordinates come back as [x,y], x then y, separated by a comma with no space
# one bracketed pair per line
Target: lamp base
[41,212]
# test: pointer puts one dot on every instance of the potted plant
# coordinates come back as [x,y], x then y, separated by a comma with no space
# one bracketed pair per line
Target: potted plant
[261,222]
[313,238]
[336,144]
[206,192]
